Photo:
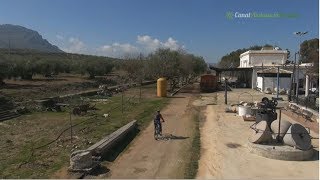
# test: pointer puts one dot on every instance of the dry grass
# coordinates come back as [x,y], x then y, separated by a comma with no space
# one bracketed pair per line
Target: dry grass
[19,136]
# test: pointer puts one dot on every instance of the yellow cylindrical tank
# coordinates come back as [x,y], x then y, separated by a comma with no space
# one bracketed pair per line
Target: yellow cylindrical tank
[162,87]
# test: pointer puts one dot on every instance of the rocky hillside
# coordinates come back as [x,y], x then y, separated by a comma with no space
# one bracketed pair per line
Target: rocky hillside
[18,37]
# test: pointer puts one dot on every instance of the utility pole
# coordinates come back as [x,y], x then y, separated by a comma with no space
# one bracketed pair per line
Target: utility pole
[278,82]
[263,79]
[297,87]
[225,91]
[71,131]
[293,77]
[122,106]
[141,76]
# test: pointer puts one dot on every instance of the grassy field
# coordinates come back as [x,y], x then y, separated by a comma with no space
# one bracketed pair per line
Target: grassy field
[193,157]
[25,152]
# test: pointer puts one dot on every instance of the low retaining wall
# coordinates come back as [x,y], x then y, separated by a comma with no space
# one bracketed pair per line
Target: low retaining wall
[284,152]
[85,161]
[109,141]
[315,114]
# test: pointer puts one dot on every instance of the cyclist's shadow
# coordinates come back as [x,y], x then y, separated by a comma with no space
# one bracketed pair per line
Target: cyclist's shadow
[172,137]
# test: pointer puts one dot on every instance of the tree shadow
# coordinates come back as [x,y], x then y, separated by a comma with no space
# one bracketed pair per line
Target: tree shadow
[48,79]
[100,170]
[176,97]
[211,104]
[20,86]
[233,145]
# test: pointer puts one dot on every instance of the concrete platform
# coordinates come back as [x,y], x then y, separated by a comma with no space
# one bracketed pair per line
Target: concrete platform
[281,152]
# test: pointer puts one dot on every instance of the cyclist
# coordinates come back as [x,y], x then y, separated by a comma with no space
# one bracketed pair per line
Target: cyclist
[157,122]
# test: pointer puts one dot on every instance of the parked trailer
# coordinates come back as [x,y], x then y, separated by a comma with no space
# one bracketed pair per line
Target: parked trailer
[208,83]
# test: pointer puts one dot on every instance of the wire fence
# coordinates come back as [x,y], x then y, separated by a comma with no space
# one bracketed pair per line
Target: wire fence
[127,102]
[130,97]
[310,101]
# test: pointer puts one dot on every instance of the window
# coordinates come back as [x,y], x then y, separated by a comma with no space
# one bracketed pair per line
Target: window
[300,83]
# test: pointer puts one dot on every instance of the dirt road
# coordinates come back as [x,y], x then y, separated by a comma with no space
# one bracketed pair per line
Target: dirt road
[224,152]
[148,158]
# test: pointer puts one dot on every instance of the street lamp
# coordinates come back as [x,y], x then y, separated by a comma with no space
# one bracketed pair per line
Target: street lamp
[300,33]
[225,90]
[297,87]
[278,82]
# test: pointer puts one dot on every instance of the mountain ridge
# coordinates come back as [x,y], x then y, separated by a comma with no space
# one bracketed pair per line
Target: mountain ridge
[19,37]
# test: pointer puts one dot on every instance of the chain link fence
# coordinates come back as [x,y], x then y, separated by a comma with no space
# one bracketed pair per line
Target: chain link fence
[311,101]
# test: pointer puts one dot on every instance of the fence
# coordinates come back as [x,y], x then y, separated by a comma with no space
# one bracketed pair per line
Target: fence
[310,101]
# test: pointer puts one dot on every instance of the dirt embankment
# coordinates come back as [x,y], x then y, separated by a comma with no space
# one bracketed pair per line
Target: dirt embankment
[224,153]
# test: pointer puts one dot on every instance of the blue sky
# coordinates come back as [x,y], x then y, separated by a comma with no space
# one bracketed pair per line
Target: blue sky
[120,27]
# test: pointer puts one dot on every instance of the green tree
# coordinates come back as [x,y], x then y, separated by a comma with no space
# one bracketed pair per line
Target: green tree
[199,65]
[97,67]
[176,66]
[5,71]
[309,51]
[232,59]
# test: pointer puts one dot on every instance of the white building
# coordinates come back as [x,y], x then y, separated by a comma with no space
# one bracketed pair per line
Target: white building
[263,57]
[267,59]
[267,78]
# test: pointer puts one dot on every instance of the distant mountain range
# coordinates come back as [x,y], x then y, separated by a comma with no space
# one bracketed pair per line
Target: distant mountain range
[18,37]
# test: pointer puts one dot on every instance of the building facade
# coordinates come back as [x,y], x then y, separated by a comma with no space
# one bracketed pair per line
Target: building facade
[267,78]
[259,58]
[271,58]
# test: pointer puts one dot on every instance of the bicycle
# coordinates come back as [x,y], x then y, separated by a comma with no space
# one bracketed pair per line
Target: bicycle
[157,131]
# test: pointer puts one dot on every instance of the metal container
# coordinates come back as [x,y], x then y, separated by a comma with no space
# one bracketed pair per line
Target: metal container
[208,83]
[162,87]
[254,111]
[268,116]
[244,110]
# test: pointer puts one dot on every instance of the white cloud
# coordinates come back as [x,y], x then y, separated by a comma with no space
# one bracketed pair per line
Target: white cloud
[75,45]
[151,44]
[171,43]
[59,37]
[144,44]
[148,42]
[117,49]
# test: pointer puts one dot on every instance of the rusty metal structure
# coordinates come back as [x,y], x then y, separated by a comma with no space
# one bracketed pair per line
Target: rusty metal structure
[272,131]
[267,111]
[208,83]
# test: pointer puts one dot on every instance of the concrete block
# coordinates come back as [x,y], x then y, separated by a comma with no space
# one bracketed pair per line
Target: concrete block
[81,160]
